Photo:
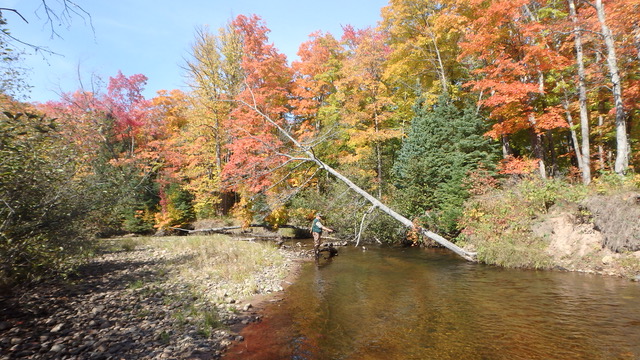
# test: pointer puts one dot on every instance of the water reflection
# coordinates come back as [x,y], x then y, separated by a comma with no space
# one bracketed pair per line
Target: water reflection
[428,304]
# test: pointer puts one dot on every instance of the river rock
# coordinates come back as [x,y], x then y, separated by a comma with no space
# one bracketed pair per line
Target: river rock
[99,315]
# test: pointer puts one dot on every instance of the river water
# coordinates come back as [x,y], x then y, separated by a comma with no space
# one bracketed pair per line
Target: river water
[390,303]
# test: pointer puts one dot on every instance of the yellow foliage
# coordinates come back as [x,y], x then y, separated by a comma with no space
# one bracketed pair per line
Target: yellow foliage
[242,212]
[279,216]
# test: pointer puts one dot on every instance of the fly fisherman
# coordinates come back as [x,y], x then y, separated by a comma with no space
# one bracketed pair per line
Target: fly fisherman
[316,231]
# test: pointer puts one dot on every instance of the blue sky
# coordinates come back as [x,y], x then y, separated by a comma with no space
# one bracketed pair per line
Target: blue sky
[153,37]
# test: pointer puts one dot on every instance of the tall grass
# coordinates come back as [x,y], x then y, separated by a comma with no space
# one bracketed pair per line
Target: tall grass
[210,271]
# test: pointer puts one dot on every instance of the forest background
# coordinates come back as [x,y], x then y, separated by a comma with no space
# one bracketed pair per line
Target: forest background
[442,103]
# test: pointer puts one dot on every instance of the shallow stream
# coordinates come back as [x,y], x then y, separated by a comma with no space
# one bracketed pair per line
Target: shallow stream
[390,303]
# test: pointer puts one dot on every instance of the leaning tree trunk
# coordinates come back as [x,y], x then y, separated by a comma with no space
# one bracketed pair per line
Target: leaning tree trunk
[622,142]
[308,151]
[403,220]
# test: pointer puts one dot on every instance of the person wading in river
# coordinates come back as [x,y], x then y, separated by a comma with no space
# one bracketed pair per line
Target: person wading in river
[316,231]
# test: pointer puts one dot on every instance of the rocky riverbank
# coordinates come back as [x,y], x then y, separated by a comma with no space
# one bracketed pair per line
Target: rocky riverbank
[132,305]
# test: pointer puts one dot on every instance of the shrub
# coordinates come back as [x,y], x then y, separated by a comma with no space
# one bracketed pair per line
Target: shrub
[45,204]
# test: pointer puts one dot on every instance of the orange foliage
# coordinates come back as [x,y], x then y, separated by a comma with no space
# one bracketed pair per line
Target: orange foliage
[254,144]
[518,165]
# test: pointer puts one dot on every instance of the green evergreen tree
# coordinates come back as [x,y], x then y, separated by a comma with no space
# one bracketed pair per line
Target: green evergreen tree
[445,143]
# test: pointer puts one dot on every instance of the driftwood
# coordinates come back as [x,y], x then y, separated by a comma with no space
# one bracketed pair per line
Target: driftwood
[226,229]
[214,230]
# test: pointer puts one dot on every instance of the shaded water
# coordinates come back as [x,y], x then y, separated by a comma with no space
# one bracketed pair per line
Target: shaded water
[428,304]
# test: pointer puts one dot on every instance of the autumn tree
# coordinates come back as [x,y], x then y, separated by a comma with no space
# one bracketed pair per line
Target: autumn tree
[314,81]
[112,131]
[164,155]
[216,78]
[424,37]
[514,63]
[366,107]
[264,82]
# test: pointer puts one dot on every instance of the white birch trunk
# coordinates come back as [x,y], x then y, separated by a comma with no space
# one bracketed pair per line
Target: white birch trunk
[622,141]
[582,88]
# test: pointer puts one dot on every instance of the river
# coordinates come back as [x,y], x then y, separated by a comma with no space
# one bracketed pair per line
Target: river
[411,303]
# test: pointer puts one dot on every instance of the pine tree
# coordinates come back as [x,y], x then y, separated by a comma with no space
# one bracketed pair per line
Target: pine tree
[444,145]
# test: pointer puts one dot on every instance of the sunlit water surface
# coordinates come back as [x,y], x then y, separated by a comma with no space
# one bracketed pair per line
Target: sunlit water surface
[429,304]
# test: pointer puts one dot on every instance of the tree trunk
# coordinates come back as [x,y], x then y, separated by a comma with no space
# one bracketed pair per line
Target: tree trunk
[506,147]
[622,142]
[403,220]
[584,113]
[600,143]
[536,147]
[554,157]
[442,74]
[636,37]
[574,137]
[378,155]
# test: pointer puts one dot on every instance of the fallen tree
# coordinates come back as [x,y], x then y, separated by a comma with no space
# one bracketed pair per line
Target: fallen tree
[308,155]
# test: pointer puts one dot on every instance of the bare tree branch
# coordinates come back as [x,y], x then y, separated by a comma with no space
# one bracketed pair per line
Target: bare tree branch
[70,9]
[364,216]
[16,12]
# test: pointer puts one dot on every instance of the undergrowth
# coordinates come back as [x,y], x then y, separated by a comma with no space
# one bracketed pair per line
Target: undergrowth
[498,223]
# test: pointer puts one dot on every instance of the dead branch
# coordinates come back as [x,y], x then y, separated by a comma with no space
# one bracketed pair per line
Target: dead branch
[364,216]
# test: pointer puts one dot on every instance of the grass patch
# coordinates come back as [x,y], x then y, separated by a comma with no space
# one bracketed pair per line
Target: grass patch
[164,337]
[193,309]
[128,244]
[197,274]
[210,270]
[234,266]
[211,321]
[137,284]
[122,244]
